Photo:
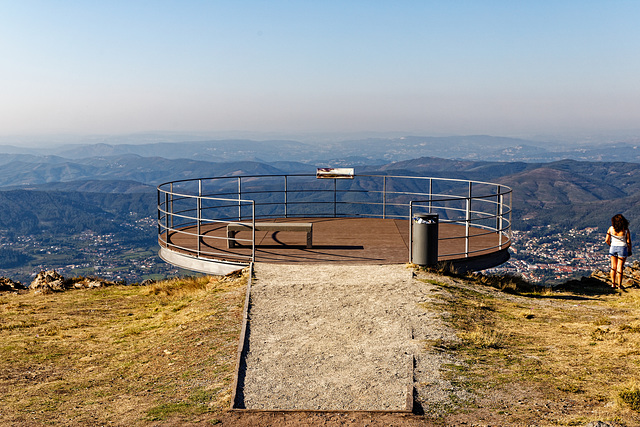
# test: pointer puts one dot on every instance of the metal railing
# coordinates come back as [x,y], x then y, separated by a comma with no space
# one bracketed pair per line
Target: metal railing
[187,207]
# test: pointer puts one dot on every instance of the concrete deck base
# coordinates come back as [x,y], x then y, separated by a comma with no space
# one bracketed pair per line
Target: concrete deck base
[216,268]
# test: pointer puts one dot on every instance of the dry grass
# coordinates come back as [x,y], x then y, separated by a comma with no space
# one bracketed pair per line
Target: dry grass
[165,354]
[483,338]
[545,358]
[162,354]
[181,286]
[509,283]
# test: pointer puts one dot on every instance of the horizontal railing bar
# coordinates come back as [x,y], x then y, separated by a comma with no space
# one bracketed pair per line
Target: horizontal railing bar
[308,175]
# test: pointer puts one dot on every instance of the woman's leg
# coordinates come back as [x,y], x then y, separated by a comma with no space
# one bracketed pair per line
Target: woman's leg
[620,271]
[612,272]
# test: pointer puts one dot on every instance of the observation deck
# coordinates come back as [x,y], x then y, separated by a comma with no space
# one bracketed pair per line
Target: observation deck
[363,219]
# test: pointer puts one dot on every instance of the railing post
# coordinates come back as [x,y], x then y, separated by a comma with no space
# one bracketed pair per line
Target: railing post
[499,216]
[159,212]
[253,228]
[510,211]
[239,198]
[498,208]
[430,193]
[285,197]
[467,222]
[384,197]
[170,200]
[411,231]
[166,210]
[335,197]
[199,216]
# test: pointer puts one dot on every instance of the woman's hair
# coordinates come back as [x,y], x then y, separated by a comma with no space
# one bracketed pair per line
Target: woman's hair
[619,223]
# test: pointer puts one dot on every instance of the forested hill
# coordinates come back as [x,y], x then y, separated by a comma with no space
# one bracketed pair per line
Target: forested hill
[69,212]
[564,194]
[93,192]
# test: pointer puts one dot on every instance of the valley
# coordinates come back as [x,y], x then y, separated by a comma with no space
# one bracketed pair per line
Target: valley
[95,215]
[554,258]
[111,256]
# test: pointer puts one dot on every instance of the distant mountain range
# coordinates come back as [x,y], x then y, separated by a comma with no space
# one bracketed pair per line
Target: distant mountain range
[356,152]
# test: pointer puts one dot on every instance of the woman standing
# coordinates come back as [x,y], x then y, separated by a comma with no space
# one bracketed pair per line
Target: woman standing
[619,238]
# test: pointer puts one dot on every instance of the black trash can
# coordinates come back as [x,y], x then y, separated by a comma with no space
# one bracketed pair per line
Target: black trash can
[425,239]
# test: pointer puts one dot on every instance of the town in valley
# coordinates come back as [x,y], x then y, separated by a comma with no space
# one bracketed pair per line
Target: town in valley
[540,255]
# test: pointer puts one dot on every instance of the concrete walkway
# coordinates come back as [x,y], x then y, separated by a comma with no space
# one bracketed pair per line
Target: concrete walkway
[337,337]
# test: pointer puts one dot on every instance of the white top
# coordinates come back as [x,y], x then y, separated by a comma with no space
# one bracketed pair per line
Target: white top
[618,240]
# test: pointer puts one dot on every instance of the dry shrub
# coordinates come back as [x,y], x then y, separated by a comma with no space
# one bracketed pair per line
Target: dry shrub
[447,269]
[632,327]
[185,286]
[630,396]
[602,321]
[483,337]
[526,314]
[442,268]
[605,333]
[180,286]
[508,283]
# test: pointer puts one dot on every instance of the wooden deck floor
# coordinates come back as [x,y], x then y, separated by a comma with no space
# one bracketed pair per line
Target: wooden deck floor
[341,240]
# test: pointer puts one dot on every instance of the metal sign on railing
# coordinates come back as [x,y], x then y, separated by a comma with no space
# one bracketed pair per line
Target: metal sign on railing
[335,173]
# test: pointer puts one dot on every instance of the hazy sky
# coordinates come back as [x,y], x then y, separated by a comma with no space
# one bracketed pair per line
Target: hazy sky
[427,67]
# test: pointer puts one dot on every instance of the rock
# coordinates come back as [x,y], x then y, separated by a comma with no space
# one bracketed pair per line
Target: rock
[600,275]
[598,424]
[91,282]
[229,277]
[631,276]
[47,282]
[50,281]
[147,282]
[8,285]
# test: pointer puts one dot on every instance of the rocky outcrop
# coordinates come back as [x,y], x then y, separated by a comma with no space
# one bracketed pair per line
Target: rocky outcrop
[632,273]
[47,282]
[51,281]
[8,285]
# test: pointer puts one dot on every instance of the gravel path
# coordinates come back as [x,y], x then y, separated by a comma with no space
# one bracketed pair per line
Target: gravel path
[341,337]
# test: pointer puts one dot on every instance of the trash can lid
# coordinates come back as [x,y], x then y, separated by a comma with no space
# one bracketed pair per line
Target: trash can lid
[420,220]
[428,215]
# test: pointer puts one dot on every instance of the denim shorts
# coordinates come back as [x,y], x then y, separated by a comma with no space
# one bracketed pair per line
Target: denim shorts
[619,251]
